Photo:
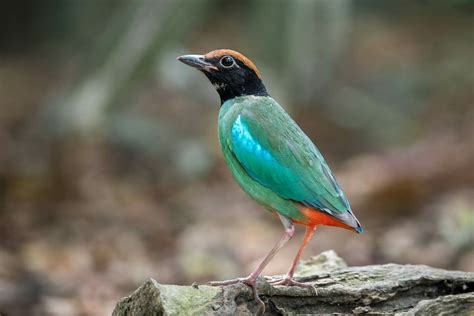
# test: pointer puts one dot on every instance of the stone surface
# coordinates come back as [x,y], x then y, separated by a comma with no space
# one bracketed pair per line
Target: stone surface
[389,289]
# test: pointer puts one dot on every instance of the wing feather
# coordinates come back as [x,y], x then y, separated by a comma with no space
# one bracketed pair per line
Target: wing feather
[275,152]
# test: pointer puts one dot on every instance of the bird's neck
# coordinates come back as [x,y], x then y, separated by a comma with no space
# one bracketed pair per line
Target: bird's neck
[227,91]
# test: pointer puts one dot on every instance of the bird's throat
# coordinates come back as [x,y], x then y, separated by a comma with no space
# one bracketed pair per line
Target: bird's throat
[229,89]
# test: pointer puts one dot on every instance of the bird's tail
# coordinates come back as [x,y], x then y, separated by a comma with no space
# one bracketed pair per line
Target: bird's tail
[349,219]
[345,220]
[354,222]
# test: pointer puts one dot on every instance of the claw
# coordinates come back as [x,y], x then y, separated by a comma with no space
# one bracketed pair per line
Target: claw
[290,282]
[250,281]
[227,282]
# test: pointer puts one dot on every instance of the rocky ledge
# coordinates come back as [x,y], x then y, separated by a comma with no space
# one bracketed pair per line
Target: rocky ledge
[376,289]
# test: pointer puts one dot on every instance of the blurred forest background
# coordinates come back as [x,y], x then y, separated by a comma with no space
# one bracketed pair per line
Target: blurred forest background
[110,170]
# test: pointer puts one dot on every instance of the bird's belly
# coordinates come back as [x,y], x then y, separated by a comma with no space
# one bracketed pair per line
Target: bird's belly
[261,194]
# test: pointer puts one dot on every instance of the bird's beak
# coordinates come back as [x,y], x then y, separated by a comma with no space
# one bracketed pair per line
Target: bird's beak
[197,61]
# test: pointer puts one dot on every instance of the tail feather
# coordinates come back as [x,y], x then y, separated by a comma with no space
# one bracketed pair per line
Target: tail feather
[345,220]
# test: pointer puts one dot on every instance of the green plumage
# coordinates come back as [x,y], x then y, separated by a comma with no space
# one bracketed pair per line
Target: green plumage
[275,162]
[271,158]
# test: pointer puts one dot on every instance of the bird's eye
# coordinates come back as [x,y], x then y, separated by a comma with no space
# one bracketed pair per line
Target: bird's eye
[227,61]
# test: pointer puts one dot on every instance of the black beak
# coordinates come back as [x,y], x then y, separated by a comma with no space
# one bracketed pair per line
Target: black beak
[196,61]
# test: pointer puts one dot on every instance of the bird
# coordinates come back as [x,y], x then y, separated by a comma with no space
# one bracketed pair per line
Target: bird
[271,158]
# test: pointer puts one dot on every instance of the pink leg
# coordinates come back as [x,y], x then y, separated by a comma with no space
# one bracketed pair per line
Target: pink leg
[251,280]
[288,280]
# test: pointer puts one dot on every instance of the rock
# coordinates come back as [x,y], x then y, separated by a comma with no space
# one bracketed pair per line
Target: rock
[461,304]
[326,261]
[389,288]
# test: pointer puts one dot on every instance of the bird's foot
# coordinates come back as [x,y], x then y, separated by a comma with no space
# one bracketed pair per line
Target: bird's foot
[290,282]
[250,281]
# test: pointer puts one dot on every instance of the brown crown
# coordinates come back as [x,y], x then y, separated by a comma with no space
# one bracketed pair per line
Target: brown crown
[223,52]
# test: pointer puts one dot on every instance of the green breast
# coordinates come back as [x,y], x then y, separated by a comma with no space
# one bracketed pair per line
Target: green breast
[228,115]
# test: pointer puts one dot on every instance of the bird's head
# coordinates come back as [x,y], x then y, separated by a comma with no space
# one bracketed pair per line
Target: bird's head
[231,73]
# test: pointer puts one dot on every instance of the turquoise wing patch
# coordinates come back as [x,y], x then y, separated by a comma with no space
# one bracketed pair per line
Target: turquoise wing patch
[286,162]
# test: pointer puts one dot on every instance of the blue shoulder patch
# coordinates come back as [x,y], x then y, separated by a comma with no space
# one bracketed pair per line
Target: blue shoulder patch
[246,142]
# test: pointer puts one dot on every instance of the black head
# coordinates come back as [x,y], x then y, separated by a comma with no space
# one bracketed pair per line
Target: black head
[231,73]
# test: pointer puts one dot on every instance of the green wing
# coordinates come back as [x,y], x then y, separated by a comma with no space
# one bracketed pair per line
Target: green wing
[276,153]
